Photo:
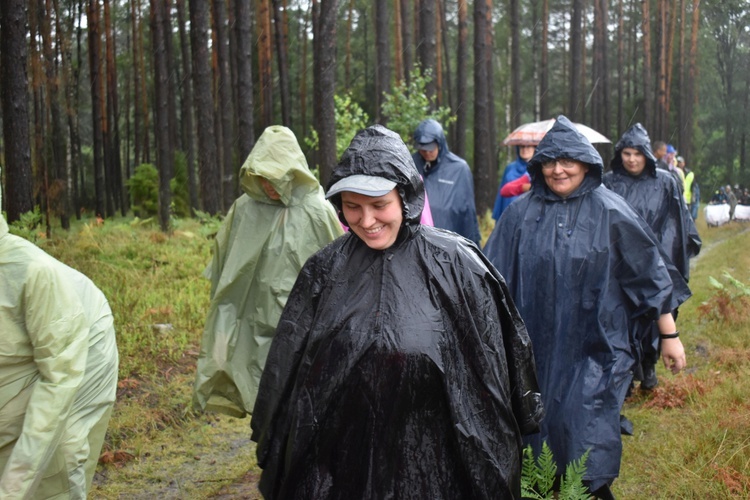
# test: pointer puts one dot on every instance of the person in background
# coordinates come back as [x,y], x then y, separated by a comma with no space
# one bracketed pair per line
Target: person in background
[447,180]
[688,179]
[695,200]
[58,373]
[281,219]
[514,170]
[731,199]
[400,367]
[654,194]
[582,266]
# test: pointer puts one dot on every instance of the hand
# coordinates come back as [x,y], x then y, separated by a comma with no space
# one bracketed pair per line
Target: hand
[673,355]
[526,187]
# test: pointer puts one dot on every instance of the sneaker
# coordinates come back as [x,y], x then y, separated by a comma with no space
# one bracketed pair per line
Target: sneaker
[649,378]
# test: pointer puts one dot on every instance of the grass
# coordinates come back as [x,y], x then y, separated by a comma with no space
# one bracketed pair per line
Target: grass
[692,434]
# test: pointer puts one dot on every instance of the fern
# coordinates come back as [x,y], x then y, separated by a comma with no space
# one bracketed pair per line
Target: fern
[538,476]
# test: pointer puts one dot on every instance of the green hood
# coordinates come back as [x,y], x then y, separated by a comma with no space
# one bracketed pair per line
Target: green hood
[278,158]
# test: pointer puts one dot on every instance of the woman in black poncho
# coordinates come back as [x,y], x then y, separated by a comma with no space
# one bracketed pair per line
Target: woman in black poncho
[581,266]
[400,368]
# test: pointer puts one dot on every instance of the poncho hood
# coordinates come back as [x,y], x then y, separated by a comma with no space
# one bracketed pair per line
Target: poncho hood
[635,137]
[378,151]
[565,141]
[277,158]
[428,131]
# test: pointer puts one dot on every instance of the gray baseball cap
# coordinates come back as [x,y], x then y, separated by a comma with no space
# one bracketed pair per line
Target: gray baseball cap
[368,185]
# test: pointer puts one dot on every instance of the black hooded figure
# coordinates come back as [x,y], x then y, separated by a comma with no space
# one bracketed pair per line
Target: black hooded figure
[656,196]
[401,372]
[581,268]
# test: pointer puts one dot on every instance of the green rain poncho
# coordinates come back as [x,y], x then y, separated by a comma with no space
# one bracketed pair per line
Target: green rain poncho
[58,373]
[259,250]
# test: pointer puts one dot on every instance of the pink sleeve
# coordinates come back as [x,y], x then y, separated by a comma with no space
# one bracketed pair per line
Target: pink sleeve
[515,187]
[426,213]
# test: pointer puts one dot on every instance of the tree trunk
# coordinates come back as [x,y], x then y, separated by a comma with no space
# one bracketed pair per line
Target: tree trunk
[95,75]
[660,124]
[303,75]
[482,152]
[57,149]
[208,171]
[515,64]
[263,26]
[244,63]
[113,116]
[188,128]
[161,112]
[282,61]
[648,101]
[427,46]
[398,61]
[135,8]
[324,20]
[576,61]
[620,70]
[224,107]
[382,68]
[462,104]
[406,40]
[14,82]
[600,113]
[544,64]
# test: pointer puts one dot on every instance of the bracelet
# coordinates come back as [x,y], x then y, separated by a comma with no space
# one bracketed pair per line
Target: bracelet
[669,335]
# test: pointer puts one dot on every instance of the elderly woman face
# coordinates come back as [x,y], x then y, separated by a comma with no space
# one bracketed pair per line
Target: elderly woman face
[563,176]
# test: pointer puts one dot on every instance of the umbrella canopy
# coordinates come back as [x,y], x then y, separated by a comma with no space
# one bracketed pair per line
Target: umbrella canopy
[529,134]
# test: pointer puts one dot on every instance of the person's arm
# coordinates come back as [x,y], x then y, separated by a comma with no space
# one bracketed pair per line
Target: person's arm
[57,330]
[516,187]
[672,351]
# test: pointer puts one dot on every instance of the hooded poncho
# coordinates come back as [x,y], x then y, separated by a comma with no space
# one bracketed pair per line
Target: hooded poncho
[403,372]
[513,171]
[580,269]
[655,195]
[258,252]
[449,184]
[58,373]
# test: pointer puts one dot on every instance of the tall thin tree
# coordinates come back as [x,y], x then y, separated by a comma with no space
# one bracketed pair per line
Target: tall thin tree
[164,158]
[244,64]
[282,60]
[224,104]
[427,43]
[383,66]
[324,53]
[208,171]
[14,81]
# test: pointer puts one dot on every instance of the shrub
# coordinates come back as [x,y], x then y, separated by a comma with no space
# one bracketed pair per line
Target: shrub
[144,188]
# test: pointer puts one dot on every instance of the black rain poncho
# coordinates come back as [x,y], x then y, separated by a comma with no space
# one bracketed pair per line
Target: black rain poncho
[449,184]
[656,196]
[580,270]
[404,372]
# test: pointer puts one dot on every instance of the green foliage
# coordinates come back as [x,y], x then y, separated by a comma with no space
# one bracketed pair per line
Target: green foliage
[739,288]
[538,476]
[26,226]
[179,186]
[210,224]
[350,119]
[407,105]
[144,189]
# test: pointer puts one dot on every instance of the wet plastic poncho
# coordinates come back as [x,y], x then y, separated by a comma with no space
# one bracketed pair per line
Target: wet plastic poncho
[58,373]
[580,269]
[258,252]
[655,195]
[512,171]
[449,184]
[397,373]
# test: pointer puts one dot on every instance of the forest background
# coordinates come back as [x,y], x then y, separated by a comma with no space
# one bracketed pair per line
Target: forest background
[153,105]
